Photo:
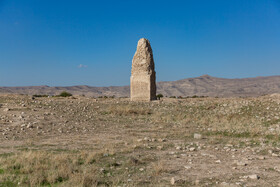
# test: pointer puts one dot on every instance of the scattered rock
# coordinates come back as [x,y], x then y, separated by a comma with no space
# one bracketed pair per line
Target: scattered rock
[29,126]
[178,148]
[197,136]
[225,184]
[174,181]
[159,147]
[229,185]
[187,167]
[6,109]
[192,149]
[261,157]
[240,163]
[254,176]
[162,140]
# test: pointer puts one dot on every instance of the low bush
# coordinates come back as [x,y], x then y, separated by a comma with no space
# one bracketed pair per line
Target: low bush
[159,96]
[38,95]
[65,94]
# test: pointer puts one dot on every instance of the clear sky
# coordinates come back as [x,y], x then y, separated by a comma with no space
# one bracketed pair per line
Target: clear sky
[79,42]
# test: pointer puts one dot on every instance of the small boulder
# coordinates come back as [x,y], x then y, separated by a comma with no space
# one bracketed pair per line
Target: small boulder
[197,136]
[254,177]
[6,109]
[192,149]
[172,181]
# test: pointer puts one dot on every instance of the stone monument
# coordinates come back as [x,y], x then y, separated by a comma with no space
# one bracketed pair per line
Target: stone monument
[143,75]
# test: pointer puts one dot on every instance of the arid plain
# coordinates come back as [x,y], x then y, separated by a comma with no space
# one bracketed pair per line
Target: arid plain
[85,141]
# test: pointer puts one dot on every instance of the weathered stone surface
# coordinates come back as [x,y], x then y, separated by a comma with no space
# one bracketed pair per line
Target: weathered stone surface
[254,176]
[143,75]
[197,136]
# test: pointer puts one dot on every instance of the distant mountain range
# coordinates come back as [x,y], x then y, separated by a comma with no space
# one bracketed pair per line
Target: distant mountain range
[201,86]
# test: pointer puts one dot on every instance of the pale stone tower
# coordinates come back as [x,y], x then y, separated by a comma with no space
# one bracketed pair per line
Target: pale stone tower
[143,75]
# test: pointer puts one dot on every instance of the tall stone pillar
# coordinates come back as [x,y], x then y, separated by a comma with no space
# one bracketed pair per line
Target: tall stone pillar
[143,75]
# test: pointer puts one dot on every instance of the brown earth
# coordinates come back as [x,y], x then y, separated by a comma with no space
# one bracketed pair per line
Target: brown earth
[200,86]
[81,141]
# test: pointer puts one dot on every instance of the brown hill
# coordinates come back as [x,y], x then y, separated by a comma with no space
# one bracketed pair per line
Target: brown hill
[201,86]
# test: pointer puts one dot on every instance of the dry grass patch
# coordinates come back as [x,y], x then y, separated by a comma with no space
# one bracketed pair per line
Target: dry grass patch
[73,168]
[159,168]
[124,110]
[35,168]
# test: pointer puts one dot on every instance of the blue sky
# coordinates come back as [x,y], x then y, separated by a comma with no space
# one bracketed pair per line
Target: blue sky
[67,42]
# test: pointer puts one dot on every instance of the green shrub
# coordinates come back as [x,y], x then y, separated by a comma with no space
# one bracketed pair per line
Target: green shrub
[65,94]
[159,96]
[37,95]
[105,97]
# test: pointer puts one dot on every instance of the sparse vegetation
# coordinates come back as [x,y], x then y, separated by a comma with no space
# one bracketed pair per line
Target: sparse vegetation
[128,110]
[37,95]
[33,168]
[159,96]
[65,94]
[106,97]
[115,142]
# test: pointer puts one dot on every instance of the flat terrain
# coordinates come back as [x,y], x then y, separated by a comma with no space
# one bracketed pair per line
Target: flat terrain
[82,141]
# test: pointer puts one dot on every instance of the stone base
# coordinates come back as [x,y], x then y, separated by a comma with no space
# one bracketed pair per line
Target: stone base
[142,87]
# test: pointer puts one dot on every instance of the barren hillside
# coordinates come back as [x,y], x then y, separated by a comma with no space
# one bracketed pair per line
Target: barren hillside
[202,86]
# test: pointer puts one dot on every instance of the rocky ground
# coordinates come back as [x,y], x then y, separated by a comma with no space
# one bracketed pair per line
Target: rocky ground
[82,141]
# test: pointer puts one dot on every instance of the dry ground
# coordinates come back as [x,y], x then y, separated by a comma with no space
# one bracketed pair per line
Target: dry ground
[113,142]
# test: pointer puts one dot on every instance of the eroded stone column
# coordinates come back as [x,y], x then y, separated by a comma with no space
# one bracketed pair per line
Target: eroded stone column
[143,75]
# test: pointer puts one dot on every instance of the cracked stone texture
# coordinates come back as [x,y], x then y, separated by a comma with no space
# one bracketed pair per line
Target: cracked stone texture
[143,75]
